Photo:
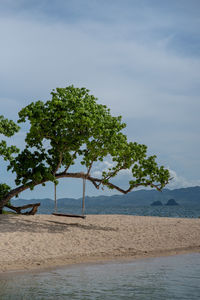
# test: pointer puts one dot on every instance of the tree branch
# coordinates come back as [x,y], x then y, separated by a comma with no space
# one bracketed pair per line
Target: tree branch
[89,169]
[95,181]
[59,163]
[115,172]
[73,157]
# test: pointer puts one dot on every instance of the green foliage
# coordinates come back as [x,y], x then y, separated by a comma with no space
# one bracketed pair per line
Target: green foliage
[7,128]
[6,152]
[74,125]
[4,190]
[71,126]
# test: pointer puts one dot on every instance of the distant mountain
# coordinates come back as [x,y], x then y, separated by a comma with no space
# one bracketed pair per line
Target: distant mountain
[184,196]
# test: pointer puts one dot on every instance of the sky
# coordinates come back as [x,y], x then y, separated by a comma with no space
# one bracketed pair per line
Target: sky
[141,58]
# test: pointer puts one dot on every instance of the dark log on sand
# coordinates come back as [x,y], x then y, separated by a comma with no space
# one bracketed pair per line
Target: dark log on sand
[18,209]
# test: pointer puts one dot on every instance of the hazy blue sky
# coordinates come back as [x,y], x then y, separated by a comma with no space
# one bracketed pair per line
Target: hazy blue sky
[140,58]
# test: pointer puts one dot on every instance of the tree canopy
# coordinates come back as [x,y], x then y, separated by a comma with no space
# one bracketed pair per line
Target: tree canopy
[7,128]
[73,127]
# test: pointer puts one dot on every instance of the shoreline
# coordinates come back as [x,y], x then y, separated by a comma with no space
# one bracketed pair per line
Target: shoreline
[40,242]
[95,261]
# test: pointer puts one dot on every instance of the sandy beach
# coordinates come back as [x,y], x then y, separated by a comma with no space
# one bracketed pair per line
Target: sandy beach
[42,241]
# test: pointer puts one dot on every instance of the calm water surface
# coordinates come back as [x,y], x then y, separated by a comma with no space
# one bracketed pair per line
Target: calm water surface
[160,211]
[175,277]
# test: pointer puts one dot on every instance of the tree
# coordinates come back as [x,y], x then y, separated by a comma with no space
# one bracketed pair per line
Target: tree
[7,128]
[73,127]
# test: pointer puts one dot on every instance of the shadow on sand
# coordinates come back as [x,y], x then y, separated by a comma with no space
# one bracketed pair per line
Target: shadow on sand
[17,223]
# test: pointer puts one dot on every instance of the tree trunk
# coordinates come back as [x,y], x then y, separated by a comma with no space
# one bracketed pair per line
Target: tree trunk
[4,201]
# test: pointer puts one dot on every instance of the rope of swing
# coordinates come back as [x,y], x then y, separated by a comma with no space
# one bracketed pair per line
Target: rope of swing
[83,199]
[55,199]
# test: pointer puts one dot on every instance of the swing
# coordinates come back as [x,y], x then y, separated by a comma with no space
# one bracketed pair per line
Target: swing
[55,213]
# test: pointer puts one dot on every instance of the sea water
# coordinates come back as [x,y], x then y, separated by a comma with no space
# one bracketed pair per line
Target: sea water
[166,278]
[160,211]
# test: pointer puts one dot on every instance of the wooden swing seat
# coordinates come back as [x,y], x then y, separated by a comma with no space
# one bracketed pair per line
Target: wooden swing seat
[69,215]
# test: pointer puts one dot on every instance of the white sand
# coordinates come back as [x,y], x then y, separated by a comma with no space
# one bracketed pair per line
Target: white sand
[40,241]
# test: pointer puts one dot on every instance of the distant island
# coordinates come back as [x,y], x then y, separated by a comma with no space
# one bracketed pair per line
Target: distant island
[156,203]
[171,202]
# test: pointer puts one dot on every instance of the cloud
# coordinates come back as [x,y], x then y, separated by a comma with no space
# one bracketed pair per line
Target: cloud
[125,73]
[181,182]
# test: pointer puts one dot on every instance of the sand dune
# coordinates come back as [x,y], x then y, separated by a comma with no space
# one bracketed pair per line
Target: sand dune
[29,242]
